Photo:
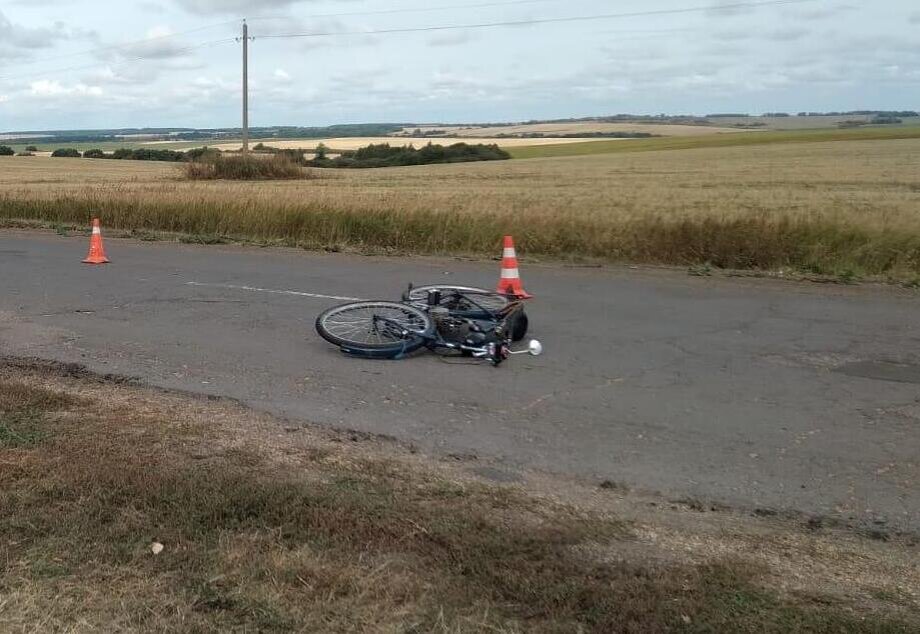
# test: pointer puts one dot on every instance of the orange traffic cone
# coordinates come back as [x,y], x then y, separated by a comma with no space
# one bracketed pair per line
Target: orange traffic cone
[96,251]
[510,282]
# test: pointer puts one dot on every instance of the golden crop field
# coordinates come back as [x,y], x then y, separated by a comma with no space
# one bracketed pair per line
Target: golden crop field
[842,207]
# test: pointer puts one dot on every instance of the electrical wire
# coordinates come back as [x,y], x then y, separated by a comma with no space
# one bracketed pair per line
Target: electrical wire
[141,42]
[529,22]
[448,7]
[122,62]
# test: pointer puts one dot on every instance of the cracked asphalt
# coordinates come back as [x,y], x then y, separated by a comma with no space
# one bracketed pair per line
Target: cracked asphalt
[754,393]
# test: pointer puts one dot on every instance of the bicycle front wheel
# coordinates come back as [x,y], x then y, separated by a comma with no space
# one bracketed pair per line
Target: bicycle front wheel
[375,329]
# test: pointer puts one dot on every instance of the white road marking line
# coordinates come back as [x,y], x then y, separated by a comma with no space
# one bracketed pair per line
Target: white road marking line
[255,289]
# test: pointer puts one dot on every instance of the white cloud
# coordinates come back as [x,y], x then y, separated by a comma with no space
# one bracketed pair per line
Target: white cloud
[159,43]
[234,7]
[54,88]
[452,39]
[281,75]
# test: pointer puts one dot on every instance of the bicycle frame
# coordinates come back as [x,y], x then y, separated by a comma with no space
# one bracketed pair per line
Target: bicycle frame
[496,350]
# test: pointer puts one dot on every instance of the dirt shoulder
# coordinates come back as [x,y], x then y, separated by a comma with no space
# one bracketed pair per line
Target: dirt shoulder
[124,507]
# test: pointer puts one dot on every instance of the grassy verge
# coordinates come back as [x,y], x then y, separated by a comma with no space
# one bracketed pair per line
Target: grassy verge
[822,246]
[262,533]
[712,141]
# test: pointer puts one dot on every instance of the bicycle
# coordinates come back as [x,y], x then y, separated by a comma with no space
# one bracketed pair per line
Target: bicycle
[475,322]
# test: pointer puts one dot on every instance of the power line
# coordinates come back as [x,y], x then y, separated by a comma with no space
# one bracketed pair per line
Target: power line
[529,22]
[141,42]
[124,61]
[448,7]
[165,36]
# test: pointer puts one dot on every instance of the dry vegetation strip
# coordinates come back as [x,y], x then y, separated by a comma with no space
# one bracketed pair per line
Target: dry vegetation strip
[271,529]
[839,208]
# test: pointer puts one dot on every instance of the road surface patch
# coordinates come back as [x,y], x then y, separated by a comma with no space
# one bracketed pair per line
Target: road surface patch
[255,289]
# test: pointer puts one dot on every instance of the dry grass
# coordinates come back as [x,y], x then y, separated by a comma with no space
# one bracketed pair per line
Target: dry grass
[265,533]
[245,168]
[843,208]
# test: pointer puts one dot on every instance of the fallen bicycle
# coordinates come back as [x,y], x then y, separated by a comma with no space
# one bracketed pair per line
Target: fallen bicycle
[471,321]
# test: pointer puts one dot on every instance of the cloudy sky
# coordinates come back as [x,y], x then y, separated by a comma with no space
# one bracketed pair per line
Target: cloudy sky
[109,63]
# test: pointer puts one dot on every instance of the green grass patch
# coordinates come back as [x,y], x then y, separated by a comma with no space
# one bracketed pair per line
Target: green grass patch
[21,429]
[735,139]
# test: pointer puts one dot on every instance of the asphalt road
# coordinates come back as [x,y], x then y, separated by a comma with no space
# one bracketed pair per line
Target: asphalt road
[753,393]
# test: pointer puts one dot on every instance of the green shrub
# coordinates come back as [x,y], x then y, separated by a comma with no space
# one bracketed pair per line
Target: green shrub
[241,167]
[6,150]
[66,152]
[386,155]
[94,153]
[148,154]
[202,154]
[31,148]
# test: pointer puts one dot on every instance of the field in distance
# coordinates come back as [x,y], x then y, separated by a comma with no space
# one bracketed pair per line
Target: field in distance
[353,143]
[845,206]
[576,127]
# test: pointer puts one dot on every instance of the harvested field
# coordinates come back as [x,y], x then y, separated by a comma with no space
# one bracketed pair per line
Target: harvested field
[124,508]
[844,208]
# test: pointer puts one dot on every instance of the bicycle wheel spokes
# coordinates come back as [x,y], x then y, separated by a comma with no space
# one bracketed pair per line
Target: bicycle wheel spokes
[373,324]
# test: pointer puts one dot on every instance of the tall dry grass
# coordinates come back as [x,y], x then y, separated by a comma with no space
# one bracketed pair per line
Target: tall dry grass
[835,208]
[220,167]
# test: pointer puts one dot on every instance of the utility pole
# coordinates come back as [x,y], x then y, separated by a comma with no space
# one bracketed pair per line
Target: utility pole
[245,87]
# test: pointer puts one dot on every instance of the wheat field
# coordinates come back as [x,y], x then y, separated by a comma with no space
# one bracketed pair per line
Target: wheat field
[838,208]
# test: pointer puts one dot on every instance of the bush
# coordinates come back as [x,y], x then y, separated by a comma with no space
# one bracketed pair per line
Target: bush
[295,156]
[6,150]
[147,154]
[202,154]
[95,153]
[31,148]
[66,152]
[241,167]
[385,155]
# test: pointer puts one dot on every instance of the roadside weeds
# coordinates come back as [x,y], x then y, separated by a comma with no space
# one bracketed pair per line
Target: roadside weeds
[277,528]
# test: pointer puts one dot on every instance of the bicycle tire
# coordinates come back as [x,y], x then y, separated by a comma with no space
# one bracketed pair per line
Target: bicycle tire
[491,301]
[356,332]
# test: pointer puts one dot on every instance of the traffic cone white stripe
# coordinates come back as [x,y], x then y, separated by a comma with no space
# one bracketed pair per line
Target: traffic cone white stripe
[97,231]
[509,253]
[510,274]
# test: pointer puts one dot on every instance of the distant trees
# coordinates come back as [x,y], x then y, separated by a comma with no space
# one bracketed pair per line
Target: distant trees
[146,154]
[885,120]
[66,152]
[385,155]
[6,150]
[94,153]
[31,148]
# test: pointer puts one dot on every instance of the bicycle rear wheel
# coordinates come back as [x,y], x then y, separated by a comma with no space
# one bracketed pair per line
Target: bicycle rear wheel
[466,301]
[375,329]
